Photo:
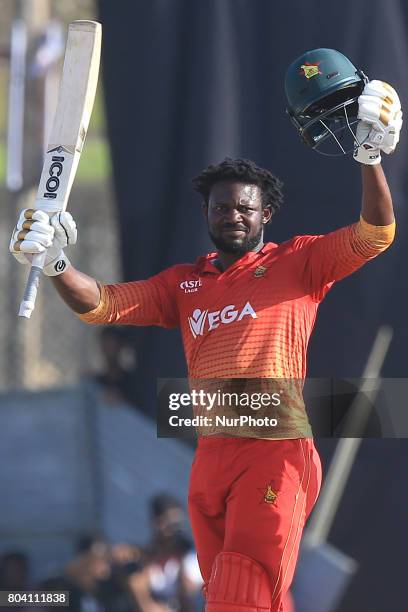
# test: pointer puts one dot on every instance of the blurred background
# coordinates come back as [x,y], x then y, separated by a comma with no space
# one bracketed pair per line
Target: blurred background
[91,499]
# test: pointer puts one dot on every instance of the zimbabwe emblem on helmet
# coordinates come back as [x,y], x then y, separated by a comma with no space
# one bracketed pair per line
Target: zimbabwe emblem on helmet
[310,70]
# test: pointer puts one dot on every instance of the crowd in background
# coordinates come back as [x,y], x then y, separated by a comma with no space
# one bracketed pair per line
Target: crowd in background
[162,576]
[118,376]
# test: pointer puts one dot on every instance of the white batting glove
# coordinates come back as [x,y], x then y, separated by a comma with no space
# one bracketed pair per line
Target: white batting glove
[366,152]
[380,122]
[36,232]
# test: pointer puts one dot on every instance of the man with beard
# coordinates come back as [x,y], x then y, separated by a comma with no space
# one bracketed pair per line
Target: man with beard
[248,319]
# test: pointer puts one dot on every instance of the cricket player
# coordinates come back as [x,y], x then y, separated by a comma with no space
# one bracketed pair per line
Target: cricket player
[245,311]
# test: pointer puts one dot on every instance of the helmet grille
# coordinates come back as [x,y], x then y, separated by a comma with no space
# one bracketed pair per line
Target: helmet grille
[328,125]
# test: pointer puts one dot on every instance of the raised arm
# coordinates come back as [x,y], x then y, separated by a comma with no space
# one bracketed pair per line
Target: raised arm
[378,131]
[79,291]
[146,302]
[34,233]
[331,257]
[377,201]
[334,256]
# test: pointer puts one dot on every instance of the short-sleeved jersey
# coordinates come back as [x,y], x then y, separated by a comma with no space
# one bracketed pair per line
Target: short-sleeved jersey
[253,320]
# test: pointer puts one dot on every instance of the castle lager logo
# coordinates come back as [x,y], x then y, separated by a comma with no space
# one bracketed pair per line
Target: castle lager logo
[191,286]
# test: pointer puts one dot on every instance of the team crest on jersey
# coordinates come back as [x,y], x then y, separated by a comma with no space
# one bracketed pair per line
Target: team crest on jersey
[260,271]
[191,286]
[310,70]
[269,496]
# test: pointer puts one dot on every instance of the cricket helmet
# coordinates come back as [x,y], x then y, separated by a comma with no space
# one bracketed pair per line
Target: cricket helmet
[322,87]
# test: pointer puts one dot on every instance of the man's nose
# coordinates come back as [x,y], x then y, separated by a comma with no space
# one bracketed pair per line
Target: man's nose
[234,215]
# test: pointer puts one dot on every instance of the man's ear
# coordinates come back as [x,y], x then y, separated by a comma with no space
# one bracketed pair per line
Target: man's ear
[266,215]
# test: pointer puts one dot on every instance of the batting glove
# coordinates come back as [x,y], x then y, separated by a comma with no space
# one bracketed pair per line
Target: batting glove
[380,122]
[36,232]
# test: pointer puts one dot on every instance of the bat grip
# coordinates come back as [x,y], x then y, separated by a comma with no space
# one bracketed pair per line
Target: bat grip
[30,293]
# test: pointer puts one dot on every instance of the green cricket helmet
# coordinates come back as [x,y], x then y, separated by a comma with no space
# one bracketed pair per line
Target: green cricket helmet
[322,88]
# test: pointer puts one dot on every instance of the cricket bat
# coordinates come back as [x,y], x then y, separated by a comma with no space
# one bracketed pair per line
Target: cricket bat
[74,107]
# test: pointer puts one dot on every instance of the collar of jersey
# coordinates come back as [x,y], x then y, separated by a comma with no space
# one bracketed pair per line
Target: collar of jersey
[205,265]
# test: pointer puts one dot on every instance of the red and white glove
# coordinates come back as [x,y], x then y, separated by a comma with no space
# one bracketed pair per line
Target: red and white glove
[379,111]
[36,232]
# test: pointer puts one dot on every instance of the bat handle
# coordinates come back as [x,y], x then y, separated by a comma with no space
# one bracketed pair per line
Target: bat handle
[30,293]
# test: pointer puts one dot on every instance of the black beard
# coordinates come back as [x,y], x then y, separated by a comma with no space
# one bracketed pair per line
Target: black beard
[248,244]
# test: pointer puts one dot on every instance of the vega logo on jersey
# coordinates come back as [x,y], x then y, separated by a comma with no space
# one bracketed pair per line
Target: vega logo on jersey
[191,286]
[202,320]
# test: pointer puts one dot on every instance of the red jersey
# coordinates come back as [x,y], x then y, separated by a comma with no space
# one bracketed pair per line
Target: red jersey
[253,320]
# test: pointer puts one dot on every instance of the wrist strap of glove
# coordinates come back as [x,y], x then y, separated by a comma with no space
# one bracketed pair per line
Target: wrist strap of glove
[367,155]
[57,266]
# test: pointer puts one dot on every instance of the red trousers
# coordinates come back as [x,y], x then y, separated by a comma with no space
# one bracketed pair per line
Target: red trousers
[253,496]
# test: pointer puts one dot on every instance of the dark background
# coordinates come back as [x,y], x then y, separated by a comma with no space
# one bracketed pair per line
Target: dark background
[188,82]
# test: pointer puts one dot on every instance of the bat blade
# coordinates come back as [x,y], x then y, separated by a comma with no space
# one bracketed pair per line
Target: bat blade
[74,107]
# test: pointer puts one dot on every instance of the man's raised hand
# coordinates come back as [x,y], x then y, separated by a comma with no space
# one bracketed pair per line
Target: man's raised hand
[380,122]
[36,232]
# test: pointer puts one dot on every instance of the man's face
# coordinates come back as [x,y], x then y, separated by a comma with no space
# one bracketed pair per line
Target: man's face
[170,522]
[235,217]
